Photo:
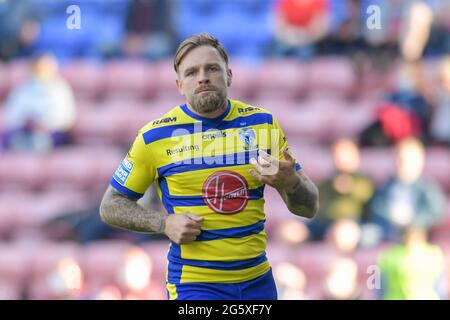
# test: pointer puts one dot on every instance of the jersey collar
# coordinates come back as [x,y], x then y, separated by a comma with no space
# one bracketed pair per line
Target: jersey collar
[218,119]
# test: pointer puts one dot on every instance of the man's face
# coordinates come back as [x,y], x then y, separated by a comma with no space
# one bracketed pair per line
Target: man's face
[203,78]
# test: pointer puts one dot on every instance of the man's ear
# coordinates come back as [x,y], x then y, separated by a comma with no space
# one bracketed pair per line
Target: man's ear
[179,86]
[229,77]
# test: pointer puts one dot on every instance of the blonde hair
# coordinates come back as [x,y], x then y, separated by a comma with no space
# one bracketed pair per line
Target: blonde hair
[202,39]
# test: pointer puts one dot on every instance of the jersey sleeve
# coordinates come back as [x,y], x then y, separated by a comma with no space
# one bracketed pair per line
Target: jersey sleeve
[136,172]
[282,144]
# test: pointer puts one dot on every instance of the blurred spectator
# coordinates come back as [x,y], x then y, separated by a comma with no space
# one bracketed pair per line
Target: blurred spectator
[439,39]
[345,36]
[299,25]
[417,26]
[292,231]
[148,29]
[341,278]
[406,199]
[344,236]
[291,282]
[413,269]
[19,27]
[341,281]
[406,110]
[40,113]
[440,123]
[66,280]
[345,193]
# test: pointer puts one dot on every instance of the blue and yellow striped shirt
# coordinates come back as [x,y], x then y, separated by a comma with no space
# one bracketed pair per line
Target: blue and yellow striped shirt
[201,166]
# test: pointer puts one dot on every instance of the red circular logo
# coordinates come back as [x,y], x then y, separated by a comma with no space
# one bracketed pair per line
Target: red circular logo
[225,192]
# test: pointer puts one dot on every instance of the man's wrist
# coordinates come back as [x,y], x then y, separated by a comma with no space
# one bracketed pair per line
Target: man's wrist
[293,187]
[162,226]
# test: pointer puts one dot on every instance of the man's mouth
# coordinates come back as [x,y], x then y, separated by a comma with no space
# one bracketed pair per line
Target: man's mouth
[205,90]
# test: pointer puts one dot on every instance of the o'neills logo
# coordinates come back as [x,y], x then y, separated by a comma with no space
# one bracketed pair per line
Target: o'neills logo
[225,192]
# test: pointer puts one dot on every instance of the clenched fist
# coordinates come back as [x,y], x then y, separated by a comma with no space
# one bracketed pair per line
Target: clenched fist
[183,228]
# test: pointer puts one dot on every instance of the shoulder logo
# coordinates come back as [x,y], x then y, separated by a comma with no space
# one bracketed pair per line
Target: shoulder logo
[164,120]
[123,171]
[247,109]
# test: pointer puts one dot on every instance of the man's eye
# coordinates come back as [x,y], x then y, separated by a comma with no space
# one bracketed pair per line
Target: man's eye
[213,68]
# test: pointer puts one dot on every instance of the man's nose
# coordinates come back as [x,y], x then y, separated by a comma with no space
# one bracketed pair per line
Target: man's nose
[203,77]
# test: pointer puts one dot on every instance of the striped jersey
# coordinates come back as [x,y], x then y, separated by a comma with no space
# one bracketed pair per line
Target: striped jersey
[202,165]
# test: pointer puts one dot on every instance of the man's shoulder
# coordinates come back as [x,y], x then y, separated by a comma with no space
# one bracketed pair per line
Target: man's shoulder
[172,117]
[245,109]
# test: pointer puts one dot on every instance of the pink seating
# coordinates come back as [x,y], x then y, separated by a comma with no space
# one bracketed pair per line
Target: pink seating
[23,169]
[281,79]
[10,291]
[130,79]
[85,78]
[46,255]
[166,76]
[15,262]
[244,77]
[331,76]
[378,163]
[82,167]
[102,259]
[350,123]
[18,72]
[157,250]
[100,125]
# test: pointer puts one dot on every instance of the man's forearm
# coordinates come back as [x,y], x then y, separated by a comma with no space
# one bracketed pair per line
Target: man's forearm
[303,199]
[125,213]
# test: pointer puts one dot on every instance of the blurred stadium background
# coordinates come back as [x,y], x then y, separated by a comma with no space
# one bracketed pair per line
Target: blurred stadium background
[318,65]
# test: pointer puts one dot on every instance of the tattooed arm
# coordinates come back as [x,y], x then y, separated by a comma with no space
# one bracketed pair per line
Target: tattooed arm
[122,212]
[303,198]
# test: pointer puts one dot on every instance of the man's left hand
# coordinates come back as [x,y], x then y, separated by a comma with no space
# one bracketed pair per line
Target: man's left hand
[277,173]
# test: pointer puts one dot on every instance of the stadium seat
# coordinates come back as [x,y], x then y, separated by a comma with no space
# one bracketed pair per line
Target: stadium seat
[15,262]
[244,78]
[130,79]
[86,79]
[18,71]
[84,167]
[284,79]
[10,291]
[102,259]
[158,252]
[323,74]
[28,174]
[165,73]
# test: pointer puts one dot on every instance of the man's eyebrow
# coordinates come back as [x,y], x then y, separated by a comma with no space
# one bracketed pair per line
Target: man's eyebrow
[190,69]
[210,64]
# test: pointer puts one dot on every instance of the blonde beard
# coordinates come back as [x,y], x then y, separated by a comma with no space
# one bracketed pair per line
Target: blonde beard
[209,103]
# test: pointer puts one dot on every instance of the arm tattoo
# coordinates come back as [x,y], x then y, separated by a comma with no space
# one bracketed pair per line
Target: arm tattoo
[120,211]
[303,199]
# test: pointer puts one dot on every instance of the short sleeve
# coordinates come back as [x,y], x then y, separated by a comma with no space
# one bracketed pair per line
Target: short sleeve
[282,143]
[136,172]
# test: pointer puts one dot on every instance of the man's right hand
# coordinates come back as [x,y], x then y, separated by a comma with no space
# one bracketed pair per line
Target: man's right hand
[183,228]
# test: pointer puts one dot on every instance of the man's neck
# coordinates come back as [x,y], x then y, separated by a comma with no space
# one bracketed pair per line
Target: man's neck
[210,115]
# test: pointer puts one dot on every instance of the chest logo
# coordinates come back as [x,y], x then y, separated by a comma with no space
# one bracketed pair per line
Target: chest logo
[225,192]
[248,137]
